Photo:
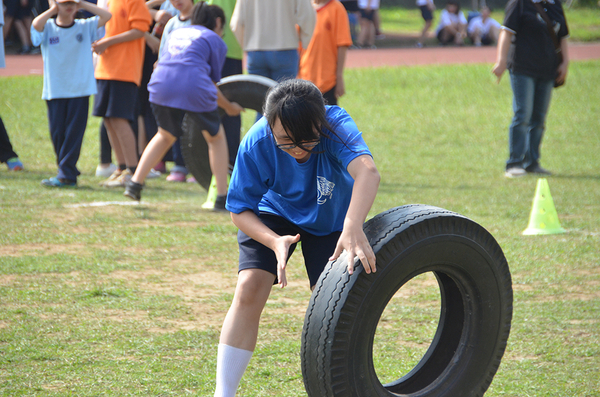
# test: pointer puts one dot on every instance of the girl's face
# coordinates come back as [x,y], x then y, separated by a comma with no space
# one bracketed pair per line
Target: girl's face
[452,8]
[67,9]
[283,142]
[182,5]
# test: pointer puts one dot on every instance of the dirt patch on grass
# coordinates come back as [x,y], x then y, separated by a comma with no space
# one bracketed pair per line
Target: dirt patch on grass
[19,250]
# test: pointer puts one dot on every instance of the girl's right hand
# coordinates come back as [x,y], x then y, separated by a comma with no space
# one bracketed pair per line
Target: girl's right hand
[499,69]
[234,109]
[281,248]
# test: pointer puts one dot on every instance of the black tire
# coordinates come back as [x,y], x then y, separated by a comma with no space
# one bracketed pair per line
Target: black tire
[476,308]
[247,90]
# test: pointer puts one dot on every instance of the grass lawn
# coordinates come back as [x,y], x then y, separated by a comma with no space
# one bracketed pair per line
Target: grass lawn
[584,23]
[128,300]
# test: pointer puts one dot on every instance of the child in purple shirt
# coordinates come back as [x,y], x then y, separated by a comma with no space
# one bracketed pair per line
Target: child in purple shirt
[184,82]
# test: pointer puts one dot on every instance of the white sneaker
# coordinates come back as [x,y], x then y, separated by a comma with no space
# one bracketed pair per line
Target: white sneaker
[515,172]
[121,181]
[153,174]
[105,172]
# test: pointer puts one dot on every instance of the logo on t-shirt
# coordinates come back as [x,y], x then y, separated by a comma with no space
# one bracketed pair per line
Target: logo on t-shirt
[53,40]
[181,39]
[79,37]
[324,190]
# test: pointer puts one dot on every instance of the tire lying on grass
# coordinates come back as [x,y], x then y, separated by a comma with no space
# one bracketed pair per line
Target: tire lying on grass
[474,323]
[247,90]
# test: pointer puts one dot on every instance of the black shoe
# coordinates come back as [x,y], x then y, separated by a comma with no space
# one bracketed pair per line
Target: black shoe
[537,169]
[133,190]
[220,203]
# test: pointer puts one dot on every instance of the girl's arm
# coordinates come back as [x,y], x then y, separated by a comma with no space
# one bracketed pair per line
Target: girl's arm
[231,108]
[103,14]
[154,3]
[563,68]
[340,88]
[353,239]
[40,21]
[101,45]
[250,224]
[502,53]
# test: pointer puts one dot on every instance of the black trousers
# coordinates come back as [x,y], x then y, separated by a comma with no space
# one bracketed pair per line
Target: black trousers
[67,118]
[6,149]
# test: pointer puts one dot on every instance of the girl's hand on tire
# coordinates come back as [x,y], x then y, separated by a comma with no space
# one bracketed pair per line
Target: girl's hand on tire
[354,241]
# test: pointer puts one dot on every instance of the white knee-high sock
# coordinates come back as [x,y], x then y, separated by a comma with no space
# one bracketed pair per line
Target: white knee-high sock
[231,365]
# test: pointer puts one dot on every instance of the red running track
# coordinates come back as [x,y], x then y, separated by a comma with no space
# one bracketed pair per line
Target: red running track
[32,64]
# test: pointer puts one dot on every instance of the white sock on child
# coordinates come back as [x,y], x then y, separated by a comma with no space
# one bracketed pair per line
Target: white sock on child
[231,365]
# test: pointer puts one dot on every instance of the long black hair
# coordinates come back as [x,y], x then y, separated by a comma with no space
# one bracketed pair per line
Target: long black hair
[206,15]
[300,107]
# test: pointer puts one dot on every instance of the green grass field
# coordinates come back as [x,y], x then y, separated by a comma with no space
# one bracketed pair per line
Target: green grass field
[128,300]
[584,23]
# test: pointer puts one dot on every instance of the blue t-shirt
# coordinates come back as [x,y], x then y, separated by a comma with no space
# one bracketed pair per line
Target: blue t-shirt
[189,66]
[314,195]
[67,55]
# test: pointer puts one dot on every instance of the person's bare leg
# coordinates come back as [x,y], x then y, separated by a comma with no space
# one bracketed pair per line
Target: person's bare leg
[141,141]
[218,156]
[120,130]
[22,27]
[424,32]
[156,150]
[113,138]
[8,21]
[240,328]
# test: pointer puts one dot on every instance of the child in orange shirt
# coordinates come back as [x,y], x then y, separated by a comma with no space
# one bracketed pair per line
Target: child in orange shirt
[118,75]
[323,61]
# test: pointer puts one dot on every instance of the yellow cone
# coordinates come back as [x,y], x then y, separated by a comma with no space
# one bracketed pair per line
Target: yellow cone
[543,218]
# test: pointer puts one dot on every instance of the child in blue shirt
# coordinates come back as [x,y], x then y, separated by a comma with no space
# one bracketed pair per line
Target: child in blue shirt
[66,45]
[303,173]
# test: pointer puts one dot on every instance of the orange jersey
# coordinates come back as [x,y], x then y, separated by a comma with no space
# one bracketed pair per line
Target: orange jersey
[318,62]
[123,61]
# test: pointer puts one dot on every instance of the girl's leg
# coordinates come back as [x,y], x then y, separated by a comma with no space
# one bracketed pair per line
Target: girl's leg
[154,152]
[113,139]
[218,157]
[119,130]
[240,328]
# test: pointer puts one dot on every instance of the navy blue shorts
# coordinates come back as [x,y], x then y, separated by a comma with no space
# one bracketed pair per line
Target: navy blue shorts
[315,249]
[15,9]
[426,13]
[171,119]
[367,14]
[116,99]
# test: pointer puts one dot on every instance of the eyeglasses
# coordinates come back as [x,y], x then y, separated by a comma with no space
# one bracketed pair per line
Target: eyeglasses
[289,146]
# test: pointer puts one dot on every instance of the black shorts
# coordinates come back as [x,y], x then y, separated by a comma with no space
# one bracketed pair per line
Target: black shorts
[116,99]
[15,10]
[350,5]
[171,119]
[426,13]
[329,97]
[367,14]
[315,249]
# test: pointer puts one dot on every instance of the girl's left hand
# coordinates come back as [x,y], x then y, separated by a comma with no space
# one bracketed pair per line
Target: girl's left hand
[99,46]
[563,69]
[354,241]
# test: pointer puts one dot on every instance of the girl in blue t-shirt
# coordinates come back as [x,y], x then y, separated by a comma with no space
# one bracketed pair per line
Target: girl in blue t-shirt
[184,83]
[303,173]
